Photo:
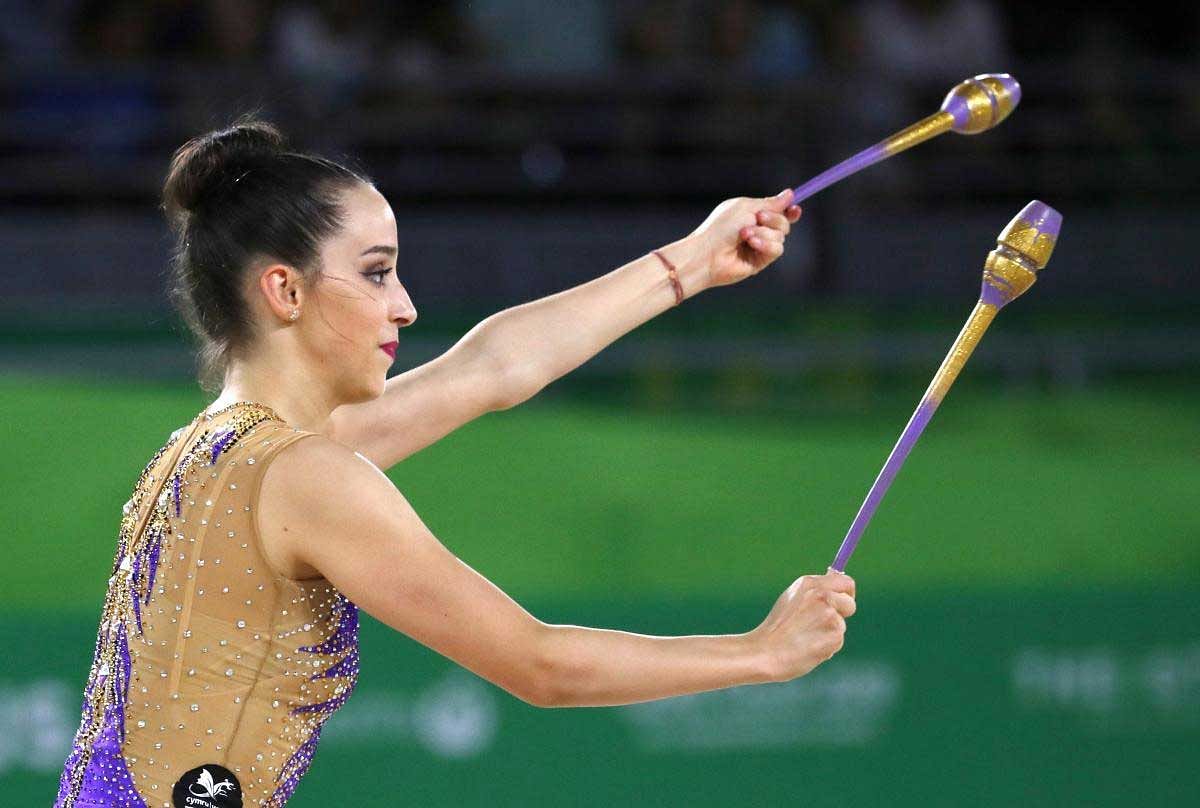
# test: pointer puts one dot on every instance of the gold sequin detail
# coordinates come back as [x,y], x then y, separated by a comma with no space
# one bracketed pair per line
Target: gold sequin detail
[960,352]
[1007,277]
[919,132]
[1026,239]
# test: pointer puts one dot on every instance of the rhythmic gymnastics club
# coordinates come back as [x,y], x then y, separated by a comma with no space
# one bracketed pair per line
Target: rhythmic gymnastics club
[1022,249]
[972,106]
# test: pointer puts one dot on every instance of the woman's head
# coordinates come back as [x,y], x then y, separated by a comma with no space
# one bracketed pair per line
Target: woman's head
[264,232]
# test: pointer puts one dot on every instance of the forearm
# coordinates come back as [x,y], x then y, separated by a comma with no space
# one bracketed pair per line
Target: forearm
[537,342]
[592,667]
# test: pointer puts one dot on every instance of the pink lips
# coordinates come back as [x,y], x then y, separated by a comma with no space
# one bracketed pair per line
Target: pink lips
[390,348]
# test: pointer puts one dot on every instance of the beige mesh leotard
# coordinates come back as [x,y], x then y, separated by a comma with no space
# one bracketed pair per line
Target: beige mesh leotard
[212,674]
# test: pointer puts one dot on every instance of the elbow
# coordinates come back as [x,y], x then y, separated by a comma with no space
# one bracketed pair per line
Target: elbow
[546,682]
[537,694]
[515,386]
[505,361]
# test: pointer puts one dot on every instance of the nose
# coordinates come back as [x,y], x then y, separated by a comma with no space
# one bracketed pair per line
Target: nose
[404,313]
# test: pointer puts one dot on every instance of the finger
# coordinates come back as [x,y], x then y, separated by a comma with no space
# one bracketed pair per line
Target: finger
[766,246]
[766,234]
[839,639]
[781,201]
[773,220]
[793,213]
[759,237]
[836,581]
[845,604]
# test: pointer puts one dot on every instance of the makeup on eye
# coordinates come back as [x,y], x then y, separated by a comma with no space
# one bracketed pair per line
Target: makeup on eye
[378,274]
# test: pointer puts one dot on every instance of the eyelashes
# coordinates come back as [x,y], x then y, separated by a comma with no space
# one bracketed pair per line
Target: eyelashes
[381,275]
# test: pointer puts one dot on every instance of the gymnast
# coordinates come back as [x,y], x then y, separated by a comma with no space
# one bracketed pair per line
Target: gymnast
[229,631]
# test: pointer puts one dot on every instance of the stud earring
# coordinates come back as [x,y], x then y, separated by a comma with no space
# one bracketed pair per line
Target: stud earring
[295,313]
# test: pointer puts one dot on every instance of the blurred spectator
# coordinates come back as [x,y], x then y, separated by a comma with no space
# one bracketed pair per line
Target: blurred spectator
[734,38]
[930,40]
[424,39]
[762,39]
[235,31]
[658,33]
[533,37]
[115,30]
[327,40]
[34,33]
[220,32]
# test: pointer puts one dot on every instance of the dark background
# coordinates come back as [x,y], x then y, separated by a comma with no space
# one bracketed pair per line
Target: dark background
[1027,610]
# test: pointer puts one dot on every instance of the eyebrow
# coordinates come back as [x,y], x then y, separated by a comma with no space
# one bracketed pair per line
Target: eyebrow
[380,248]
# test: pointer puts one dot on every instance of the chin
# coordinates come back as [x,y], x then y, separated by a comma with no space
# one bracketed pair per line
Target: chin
[359,390]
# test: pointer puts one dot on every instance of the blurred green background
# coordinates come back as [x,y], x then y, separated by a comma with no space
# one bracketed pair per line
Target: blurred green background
[1027,600]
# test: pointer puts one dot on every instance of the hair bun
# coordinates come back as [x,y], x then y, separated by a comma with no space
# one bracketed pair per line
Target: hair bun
[203,162]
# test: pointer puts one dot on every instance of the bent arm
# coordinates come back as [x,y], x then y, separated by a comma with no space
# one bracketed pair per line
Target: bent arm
[349,524]
[511,355]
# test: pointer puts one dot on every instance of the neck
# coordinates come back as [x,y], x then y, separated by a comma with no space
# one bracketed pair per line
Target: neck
[300,398]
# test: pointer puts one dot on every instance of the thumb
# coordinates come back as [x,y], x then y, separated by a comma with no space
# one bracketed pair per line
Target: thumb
[781,201]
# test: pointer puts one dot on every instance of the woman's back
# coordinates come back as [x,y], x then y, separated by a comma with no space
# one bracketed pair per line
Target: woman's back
[212,673]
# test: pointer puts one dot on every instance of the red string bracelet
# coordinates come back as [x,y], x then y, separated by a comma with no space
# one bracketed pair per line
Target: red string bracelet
[673,276]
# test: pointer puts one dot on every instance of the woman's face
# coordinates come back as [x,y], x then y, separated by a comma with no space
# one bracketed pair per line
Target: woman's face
[359,304]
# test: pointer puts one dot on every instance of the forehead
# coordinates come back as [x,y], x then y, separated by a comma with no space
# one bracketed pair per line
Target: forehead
[366,216]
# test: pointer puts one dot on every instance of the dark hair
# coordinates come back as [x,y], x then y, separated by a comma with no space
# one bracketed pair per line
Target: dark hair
[232,196]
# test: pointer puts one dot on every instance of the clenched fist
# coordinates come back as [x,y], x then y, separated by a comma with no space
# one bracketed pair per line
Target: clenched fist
[807,624]
[743,235]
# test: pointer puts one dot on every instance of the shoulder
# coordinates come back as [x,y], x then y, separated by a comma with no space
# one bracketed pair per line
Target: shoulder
[317,490]
[315,465]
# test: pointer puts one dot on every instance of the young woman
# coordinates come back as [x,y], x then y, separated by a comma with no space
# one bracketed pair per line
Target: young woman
[229,632]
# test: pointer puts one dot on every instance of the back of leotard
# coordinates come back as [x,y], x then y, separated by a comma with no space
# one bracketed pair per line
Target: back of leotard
[212,674]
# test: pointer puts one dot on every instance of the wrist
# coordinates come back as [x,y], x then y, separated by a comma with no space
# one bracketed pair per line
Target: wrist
[760,662]
[691,266]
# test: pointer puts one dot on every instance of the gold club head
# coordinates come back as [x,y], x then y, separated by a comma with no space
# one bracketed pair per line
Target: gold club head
[982,102]
[1022,250]
[1032,233]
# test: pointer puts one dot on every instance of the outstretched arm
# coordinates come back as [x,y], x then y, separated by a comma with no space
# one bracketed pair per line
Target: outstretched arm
[348,524]
[510,356]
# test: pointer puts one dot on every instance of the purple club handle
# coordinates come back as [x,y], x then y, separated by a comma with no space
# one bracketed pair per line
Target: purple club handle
[908,439]
[851,165]
[1022,250]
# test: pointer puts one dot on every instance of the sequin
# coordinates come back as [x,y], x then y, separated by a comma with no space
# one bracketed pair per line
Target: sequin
[158,571]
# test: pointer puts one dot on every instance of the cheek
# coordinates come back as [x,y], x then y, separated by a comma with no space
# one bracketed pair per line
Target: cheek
[350,322]
[364,310]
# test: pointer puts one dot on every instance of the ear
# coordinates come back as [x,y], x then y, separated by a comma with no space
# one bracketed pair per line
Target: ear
[281,287]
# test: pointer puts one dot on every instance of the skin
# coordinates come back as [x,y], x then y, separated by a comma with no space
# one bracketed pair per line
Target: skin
[330,355]
[327,510]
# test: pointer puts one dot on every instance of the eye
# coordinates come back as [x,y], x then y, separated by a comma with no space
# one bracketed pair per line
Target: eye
[379,275]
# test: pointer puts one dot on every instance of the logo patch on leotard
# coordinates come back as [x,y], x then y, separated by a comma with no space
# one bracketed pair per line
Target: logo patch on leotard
[207,786]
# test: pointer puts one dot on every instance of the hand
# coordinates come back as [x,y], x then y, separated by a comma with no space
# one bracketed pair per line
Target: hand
[743,235]
[807,624]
